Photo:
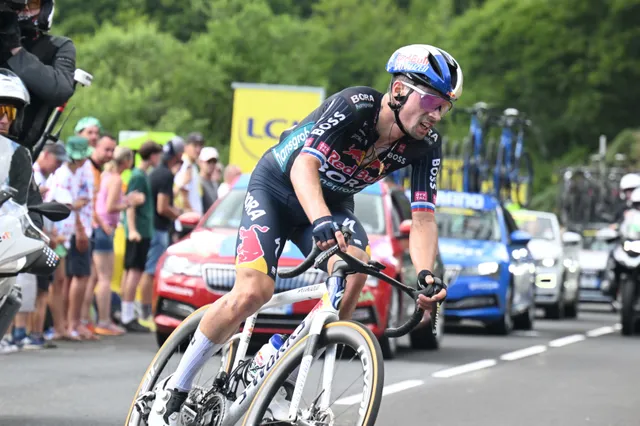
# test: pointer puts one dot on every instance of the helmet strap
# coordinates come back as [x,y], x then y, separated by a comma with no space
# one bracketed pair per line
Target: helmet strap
[396,107]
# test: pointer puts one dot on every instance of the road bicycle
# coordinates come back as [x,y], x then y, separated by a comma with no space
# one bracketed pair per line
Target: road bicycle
[224,403]
[475,151]
[514,168]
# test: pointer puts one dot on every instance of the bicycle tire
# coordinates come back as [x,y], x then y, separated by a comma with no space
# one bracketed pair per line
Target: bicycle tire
[525,163]
[350,332]
[499,182]
[181,334]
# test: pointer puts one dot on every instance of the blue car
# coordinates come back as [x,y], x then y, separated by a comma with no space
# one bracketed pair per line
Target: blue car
[488,268]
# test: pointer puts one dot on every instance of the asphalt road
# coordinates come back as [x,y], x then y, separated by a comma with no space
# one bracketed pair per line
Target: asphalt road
[570,372]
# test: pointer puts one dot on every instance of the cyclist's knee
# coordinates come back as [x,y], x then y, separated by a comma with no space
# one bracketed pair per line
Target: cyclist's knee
[252,290]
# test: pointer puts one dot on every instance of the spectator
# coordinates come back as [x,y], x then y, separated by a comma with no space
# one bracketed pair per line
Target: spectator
[188,185]
[231,173]
[217,174]
[139,231]
[208,163]
[161,183]
[74,179]
[90,128]
[110,201]
[50,159]
[101,154]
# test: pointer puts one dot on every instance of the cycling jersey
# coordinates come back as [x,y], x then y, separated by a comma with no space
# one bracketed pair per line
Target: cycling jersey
[340,132]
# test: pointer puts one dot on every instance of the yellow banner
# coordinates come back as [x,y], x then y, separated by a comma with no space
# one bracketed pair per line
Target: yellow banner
[261,112]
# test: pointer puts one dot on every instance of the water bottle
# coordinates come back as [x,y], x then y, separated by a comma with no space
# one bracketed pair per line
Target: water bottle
[266,351]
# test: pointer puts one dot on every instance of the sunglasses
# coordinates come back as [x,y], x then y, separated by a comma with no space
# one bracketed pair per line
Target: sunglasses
[9,110]
[430,102]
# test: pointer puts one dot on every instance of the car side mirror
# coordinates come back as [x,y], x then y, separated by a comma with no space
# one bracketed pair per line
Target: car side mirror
[520,238]
[188,221]
[405,230]
[571,239]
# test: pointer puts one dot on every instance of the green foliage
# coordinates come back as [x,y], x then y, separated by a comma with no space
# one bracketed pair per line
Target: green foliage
[573,66]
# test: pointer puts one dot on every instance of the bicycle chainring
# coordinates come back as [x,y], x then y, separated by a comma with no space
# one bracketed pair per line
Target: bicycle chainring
[203,408]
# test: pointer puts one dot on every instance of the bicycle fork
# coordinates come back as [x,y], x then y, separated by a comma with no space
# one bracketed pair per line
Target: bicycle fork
[328,312]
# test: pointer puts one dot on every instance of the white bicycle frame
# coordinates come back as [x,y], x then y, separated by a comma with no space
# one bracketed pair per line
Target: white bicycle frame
[325,311]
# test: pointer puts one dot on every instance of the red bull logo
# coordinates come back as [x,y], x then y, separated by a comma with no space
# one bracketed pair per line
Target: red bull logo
[356,154]
[250,253]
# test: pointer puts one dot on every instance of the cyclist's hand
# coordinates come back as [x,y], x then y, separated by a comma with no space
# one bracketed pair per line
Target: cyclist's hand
[425,278]
[326,233]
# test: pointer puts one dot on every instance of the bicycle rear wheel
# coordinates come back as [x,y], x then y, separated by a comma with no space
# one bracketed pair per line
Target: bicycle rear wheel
[174,345]
[524,180]
[365,405]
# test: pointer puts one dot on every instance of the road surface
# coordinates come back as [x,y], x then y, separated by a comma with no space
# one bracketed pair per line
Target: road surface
[569,372]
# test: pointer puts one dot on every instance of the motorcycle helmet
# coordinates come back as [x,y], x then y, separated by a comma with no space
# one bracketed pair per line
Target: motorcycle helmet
[635,199]
[43,20]
[13,92]
[629,182]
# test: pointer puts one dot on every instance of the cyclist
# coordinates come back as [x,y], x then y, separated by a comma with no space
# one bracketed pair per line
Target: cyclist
[304,186]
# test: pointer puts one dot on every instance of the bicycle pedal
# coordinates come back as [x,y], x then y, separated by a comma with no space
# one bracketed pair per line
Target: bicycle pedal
[379,266]
[188,416]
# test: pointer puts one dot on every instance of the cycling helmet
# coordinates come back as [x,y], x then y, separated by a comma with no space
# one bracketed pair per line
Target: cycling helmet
[13,92]
[429,66]
[43,20]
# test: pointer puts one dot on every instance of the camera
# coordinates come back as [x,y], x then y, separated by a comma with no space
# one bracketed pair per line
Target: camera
[12,5]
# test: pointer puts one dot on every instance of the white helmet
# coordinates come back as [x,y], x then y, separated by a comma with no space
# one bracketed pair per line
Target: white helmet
[635,197]
[629,181]
[12,89]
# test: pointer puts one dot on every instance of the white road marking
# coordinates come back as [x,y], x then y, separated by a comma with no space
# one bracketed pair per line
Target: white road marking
[564,341]
[617,327]
[526,333]
[523,353]
[465,368]
[387,390]
[600,331]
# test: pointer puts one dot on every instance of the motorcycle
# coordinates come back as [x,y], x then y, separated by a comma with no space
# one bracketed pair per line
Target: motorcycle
[626,256]
[24,248]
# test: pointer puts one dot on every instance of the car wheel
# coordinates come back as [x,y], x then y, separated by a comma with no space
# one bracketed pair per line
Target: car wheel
[423,338]
[505,324]
[627,312]
[558,310]
[389,345]
[571,311]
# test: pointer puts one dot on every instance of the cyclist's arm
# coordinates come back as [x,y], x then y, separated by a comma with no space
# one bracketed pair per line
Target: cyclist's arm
[423,239]
[304,175]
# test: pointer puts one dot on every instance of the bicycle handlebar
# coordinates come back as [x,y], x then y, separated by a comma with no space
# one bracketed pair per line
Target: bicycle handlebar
[373,268]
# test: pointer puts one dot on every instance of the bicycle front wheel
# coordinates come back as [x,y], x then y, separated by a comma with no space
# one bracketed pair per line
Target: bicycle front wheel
[357,406]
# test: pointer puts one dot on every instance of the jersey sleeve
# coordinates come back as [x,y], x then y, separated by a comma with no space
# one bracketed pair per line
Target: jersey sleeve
[424,182]
[330,127]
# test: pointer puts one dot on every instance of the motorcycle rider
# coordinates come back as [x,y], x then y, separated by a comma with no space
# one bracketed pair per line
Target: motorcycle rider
[629,185]
[45,63]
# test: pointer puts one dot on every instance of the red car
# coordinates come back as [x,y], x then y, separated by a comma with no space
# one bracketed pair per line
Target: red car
[200,268]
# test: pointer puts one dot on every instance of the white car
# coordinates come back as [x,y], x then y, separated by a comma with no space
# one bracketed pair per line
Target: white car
[556,256]
[595,275]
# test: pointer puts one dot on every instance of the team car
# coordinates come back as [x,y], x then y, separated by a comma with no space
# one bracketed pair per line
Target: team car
[488,267]
[556,256]
[200,268]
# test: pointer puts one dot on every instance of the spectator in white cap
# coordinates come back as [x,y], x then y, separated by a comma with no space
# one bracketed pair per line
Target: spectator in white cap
[208,162]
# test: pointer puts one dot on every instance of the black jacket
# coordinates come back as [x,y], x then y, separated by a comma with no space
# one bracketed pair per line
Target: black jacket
[46,65]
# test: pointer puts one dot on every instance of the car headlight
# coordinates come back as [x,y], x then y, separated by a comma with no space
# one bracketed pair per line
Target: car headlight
[548,262]
[178,265]
[484,268]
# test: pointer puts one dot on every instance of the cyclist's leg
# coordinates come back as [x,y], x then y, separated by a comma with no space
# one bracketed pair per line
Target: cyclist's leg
[257,250]
[358,247]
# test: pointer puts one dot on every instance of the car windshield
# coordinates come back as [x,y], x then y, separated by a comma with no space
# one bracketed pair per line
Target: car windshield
[369,210]
[468,224]
[536,226]
[596,244]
